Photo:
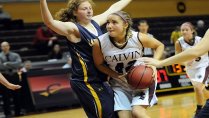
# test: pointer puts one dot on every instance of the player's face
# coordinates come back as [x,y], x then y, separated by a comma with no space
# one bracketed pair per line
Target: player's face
[186,31]
[143,27]
[84,12]
[116,26]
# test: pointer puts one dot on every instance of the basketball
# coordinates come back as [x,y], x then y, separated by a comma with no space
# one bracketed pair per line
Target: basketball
[140,77]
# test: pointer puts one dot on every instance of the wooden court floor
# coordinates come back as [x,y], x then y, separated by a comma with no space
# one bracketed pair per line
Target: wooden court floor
[180,105]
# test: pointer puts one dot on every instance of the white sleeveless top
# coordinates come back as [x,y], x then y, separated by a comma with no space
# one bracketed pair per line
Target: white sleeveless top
[121,59]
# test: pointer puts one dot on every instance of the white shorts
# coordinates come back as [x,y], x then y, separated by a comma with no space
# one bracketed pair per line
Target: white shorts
[198,74]
[124,99]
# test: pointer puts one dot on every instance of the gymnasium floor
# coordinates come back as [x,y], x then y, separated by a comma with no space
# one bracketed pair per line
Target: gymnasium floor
[181,105]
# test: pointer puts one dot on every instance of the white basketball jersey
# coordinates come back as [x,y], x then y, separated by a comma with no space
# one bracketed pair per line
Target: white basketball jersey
[121,59]
[198,62]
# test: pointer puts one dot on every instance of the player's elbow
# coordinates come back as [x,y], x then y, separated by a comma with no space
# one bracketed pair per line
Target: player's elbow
[162,46]
[48,23]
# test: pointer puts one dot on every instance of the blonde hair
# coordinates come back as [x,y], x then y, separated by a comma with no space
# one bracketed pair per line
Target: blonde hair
[66,14]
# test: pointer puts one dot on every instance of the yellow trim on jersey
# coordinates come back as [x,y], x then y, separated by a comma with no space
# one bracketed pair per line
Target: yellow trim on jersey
[98,103]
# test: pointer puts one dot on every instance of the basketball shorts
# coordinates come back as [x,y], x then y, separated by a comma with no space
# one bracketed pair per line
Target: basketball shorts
[96,98]
[125,99]
[198,74]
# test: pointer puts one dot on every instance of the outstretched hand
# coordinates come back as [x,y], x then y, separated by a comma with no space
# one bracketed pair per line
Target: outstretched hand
[13,86]
[151,61]
[154,75]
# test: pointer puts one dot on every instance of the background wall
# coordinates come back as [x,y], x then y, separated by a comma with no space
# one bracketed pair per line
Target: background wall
[30,12]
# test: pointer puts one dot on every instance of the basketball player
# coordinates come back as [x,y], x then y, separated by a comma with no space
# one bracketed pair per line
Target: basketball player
[196,68]
[77,23]
[8,84]
[119,49]
[194,52]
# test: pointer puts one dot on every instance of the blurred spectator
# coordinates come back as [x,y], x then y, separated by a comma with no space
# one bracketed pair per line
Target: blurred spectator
[4,15]
[143,27]
[5,19]
[10,62]
[68,64]
[175,35]
[44,39]
[26,66]
[26,102]
[201,28]
[56,52]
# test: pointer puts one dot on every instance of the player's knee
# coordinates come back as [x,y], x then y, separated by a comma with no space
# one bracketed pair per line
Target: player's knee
[140,114]
[198,88]
[124,114]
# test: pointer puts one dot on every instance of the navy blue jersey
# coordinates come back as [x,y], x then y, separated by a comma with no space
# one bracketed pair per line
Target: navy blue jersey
[82,59]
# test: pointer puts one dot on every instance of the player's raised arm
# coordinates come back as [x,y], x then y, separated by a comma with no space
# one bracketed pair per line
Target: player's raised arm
[62,28]
[102,18]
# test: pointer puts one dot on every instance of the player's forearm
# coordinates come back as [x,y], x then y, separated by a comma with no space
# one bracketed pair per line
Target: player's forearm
[120,5]
[189,54]
[46,15]
[107,71]
[180,58]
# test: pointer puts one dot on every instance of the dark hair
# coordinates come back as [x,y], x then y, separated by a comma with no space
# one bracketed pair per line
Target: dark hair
[66,14]
[142,21]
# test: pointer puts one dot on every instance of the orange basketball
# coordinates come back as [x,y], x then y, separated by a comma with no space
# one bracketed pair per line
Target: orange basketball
[140,77]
